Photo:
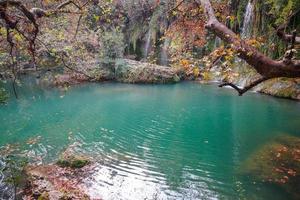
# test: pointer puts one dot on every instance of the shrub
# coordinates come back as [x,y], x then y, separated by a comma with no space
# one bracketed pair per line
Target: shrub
[112,46]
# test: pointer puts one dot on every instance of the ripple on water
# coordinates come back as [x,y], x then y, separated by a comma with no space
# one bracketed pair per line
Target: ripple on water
[151,142]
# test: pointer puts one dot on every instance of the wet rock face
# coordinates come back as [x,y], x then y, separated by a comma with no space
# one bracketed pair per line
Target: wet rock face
[130,71]
[277,163]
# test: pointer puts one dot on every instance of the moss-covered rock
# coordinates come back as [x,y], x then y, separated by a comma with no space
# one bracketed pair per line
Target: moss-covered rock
[73,161]
[130,71]
[125,71]
[277,163]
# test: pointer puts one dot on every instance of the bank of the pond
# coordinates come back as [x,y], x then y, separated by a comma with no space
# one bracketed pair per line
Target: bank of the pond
[124,71]
[147,141]
[131,71]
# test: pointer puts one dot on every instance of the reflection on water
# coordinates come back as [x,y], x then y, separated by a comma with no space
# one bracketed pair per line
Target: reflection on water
[152,141]
[110,183]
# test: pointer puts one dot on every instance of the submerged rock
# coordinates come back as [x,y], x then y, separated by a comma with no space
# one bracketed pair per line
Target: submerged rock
[277,163]
[73,161]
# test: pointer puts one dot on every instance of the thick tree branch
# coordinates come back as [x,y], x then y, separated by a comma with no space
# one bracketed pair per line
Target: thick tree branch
[264,65]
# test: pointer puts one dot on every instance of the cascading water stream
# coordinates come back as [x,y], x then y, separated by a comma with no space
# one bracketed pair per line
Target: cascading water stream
[248,19]
[164,52]
[147,44]
[245,34]
[218,42]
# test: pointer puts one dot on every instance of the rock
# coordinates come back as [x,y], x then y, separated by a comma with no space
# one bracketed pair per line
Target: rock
[90,46]
[241,75]
[51,182]
[130,71]
[73,161]
[62,180]
[70,79]
[46,60]
[92,69]
[125,71]
[276,163]
[286,88]
[101,73]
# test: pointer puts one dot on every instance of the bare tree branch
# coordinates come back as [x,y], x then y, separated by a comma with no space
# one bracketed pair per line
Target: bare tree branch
[64,4]
[77,28]
[241,91]
[75,70]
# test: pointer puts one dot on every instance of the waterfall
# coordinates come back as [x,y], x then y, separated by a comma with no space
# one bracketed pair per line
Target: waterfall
[218,42]
[164,59]
[248,19]
[245,33]
[147,44]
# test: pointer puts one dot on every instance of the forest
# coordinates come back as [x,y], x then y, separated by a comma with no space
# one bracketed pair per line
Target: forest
[149,99]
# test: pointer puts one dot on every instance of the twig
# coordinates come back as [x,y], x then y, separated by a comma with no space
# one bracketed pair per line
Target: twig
[77,28]
[77,71]
[63,4]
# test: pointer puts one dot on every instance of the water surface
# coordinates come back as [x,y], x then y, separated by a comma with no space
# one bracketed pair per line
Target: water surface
[182,141]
